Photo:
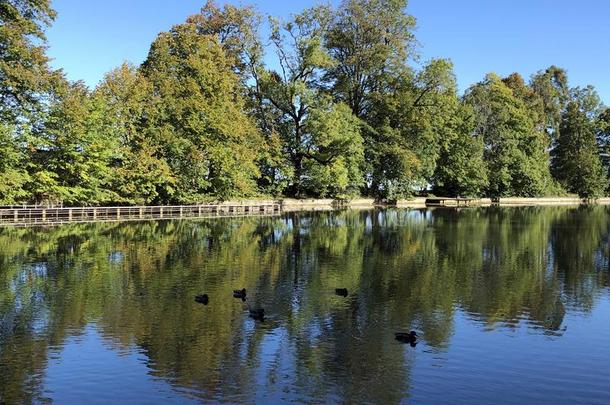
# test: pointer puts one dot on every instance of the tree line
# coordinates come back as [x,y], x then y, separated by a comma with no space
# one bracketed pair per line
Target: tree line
[330,103]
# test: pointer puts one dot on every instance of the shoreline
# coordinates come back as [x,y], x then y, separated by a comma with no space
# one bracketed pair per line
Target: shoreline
[420,202]
[39,215]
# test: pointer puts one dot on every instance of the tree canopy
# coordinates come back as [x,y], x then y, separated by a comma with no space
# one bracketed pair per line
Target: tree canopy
[333,102]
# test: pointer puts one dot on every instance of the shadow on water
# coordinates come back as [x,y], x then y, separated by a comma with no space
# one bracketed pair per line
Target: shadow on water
[404,269]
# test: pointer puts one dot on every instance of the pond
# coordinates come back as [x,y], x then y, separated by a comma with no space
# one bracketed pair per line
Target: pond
[510,305]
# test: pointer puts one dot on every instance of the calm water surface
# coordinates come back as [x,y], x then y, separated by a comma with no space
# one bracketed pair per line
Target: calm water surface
[512,305]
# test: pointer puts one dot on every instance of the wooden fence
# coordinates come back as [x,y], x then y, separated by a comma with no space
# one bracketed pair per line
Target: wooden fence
[43,215]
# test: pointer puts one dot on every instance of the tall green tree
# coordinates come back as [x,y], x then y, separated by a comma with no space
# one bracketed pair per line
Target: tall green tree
[26,82]
[461,169]
[301,114]
[371,41]
[603,134]
[24,71]
[406,128]
[238,31]
[603,138]
[71,157]
[576,159]
[141,175]
[551,85]
[516,150]
[199,117]
[334,152]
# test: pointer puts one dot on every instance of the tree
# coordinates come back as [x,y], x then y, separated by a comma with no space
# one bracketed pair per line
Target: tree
[236,29]
[24,72]
[406,128]
[551,85]
[25,82]
[141,175]
[532,100]
[603,139]
[72,155]
[371,41]
[199,116]
[603,130]
[461,170]
[13,173]
[335,152]
[295,105]
[515,149]
[576,160]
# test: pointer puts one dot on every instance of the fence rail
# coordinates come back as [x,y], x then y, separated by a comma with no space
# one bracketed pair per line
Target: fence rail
[42,215]
[28,206]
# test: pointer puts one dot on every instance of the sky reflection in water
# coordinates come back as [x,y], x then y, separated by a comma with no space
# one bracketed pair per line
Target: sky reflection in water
[511,305]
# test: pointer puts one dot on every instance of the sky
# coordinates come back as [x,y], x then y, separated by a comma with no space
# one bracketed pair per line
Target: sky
[89,38]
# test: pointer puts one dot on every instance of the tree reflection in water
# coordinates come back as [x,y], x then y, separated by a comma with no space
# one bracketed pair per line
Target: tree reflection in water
[404,269]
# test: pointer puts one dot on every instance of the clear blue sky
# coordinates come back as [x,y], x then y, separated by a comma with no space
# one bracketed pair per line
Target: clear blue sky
[479,36]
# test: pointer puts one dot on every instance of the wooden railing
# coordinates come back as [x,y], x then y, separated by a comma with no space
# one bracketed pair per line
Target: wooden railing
[29,206]
[42,215]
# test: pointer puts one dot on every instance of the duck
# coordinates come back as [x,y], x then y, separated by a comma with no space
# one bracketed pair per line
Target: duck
[404,337]
[239,293]
[341,292]
[257,314]
[202,299]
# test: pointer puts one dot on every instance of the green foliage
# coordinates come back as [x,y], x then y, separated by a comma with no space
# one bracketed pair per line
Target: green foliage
[321,139]
[371,40]
[71,158]
[461,169]
[406,129]
[576,162]
[342,112]
[603,139]
[141,175]
[603,130]
[551,86]
[13,174]
[236,28]
[515,148]
[334,154]
[198,117]
[25,84]
[24,72]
